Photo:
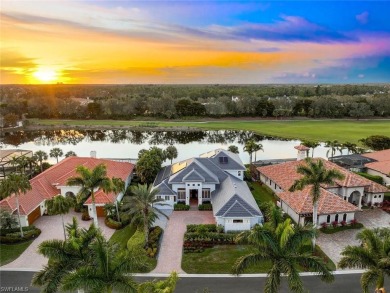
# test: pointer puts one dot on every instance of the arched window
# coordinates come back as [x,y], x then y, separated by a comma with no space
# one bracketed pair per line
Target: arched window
[328,219]
[345,217]
[336,218]
[70,194]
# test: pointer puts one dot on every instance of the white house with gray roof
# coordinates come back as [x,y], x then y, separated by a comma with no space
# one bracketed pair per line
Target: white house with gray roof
[215,177]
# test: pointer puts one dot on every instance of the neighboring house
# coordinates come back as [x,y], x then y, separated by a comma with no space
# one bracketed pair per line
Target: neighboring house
[336,203]
[375,163]
[215,177]
[53,181]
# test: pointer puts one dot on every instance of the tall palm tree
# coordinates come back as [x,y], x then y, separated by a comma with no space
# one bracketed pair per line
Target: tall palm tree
[56,153]
[90,181]
[23,162]
[59,205]
[314,175]
[65,256]
[140,207]
[110,270]
[249,147]
[41,156]
[14,161]
[15,184]
[312,145]
[373,255]
[258,147]
[118,186]
[171,153]
[70,154]
[333,146]
[285,248]
[351,147]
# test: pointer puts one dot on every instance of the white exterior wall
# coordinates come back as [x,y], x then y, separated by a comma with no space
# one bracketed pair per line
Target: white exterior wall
[236,173]
[168,203]
[374,198]
[386,178]
[65,189]
[230,226]
[271,184]
[23,221]
[323,218]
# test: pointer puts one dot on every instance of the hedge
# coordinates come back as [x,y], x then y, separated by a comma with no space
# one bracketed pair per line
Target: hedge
[136,242]
[110,223]
[181,207]
[206,227]
[9,236]
[375,178]
[197,242]
[205,207]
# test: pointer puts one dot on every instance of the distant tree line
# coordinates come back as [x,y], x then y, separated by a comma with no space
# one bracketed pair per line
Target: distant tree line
[177,101]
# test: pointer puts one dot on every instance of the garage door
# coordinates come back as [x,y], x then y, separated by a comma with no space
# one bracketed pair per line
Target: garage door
[35,214]
[100,212]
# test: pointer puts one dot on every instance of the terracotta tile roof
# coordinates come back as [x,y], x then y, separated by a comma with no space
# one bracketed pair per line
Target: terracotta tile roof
[376,188]
[379,156]
[44,184]
[328,203]
[383,167]
[301,147]
[285,174]
[102,198]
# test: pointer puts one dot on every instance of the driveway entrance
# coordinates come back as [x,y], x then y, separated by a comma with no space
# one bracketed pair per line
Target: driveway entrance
[171,250]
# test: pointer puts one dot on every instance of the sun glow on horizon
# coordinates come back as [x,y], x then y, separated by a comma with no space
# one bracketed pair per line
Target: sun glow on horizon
[45,75]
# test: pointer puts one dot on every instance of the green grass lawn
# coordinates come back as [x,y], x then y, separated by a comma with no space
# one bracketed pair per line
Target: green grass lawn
[123,235]
[318,130]
[10,252]
[221,258]
[261,193]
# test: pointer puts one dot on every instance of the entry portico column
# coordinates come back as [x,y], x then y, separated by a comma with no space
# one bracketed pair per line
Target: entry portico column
[360,202]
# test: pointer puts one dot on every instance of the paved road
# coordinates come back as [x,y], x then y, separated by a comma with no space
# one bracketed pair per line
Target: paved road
[191,284]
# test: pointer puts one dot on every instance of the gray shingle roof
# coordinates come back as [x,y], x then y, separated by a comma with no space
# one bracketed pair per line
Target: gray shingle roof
[233,197]
[164,189]
[234,162]
[193,176]
[208,176]
[163,174]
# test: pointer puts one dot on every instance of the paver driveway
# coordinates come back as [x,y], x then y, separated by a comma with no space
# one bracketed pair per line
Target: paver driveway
[51,227]
[169,258]
[333,244]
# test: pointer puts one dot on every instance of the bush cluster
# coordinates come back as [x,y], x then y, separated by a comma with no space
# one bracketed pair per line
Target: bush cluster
[207,227]
[9,236]
[153,243]
[205,207]
[340,226]
[111,223]
[375,178]
[181,207]
[85,216]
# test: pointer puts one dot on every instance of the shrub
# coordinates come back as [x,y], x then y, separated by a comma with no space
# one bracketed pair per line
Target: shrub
[205,207]
[324,225]
[110,223]
[335,224]
[375,178]
[181,207]
[343,223]
[9,236]
[85,216]
[354,222]
[208,227]
[153,243]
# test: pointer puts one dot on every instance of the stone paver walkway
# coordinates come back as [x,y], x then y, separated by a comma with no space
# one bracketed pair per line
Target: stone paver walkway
[51,227]
[333,244]
[171,250]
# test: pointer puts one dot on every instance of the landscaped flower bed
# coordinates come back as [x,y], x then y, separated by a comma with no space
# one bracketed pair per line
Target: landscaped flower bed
[337,227]
[13,235]
[181,207]
[199,237]
[205,207]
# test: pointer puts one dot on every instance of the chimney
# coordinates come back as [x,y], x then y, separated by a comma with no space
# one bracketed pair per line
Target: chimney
[302,152]
[93,154]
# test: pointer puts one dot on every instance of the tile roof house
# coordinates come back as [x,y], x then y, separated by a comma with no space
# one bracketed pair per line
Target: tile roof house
[215,177]
[52,182]
[338,202]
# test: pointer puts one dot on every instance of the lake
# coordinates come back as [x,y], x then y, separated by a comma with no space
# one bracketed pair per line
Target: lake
[127,143]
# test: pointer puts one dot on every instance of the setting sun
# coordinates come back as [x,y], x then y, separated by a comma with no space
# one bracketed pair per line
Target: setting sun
[45,75]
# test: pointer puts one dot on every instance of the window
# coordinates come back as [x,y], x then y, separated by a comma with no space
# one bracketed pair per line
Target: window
[206,193]
[336,218]
[239,173]
[380,196]
[181,193]
[198,184]
[158,196]
[275,185]
[328,219]
[193,184]
[374,196]
[167,197]
[223,160]
[238,221]
[345,217]
[174,198]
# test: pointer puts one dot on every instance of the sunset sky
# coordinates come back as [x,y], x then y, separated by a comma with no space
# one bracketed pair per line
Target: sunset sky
[194,41]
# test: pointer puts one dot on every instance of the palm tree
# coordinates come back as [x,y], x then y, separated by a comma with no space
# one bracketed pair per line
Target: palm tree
[70,154]
[351,147]
[23,162]
[59,205]
[65,256]
[258,147]
[110,270]
[233,149]
[41,156]
[56,153]
[164,286]
[285,248]
[15,184]
[140,207]
[333,147]
[171,153]
[312,145]
[14,161]
[314,175]
[250,146]
[373,255]
[118,186]
[90,181]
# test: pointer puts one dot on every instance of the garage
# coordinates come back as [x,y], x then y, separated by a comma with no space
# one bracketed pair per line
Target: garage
[100,212]
[237,224]
[35,214]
